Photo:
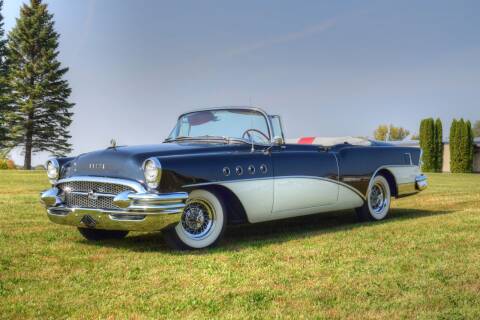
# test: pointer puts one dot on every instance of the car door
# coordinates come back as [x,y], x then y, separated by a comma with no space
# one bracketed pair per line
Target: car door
[305,178]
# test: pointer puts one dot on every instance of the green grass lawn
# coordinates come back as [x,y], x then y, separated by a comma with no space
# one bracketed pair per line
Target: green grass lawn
[423,262]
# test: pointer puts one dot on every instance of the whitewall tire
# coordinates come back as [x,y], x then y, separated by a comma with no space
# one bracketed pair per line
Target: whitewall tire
[378,201]
[202,223]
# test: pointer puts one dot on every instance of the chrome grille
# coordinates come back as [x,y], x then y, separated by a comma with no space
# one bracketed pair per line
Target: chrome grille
[76,194]
[87,186]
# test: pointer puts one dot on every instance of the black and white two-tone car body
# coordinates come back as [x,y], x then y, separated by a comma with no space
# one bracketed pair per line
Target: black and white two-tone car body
[224,166]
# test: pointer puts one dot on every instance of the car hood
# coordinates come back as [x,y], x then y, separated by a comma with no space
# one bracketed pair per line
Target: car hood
[126,162]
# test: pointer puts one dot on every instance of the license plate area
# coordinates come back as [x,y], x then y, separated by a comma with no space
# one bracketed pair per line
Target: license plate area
[88,221]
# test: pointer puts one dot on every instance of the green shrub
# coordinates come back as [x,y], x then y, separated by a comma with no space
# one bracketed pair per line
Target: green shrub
[3,164]
[453,145]
[461,146]
[427,143]
[438,145]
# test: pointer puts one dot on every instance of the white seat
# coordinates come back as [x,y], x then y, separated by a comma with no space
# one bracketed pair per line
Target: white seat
[330,141]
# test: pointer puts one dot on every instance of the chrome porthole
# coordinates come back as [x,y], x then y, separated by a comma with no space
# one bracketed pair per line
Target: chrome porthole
[263,168]
[251,169]
[226,171]
[198,219]
[239,170]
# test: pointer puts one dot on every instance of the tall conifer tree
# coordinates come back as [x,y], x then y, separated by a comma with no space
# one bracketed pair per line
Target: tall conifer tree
[459,146]
[3,81]
[41,113]
[427,143]
[421,138]
[452,145]
[438,145]
[469,146]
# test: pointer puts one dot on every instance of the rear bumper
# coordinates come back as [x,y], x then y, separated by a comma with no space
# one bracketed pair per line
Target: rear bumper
[143,211]
[421,182]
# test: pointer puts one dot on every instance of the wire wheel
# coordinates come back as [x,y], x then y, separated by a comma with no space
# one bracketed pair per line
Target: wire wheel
[198,219]
[379,198]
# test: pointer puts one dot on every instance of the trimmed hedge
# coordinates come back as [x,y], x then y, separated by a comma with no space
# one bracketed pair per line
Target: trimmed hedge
[431,136]
[461,146]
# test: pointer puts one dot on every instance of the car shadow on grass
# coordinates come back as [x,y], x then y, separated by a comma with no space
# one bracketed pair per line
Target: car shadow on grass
[254,235]
[307,226]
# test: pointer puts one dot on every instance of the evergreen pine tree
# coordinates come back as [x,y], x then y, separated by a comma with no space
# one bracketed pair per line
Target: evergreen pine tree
[41,113]
[451,143]
[469,146]
[422,139]
[438,145]
[459,146]
[427,143]
[3,81]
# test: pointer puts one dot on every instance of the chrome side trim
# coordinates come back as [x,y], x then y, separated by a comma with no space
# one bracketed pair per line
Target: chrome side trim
[353,189]
[138,187]
[220,182]
[273,178]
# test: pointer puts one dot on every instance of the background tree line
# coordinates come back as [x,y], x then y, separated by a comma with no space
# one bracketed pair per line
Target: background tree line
[461,144]
[390,133]
[34,109]
[431,142]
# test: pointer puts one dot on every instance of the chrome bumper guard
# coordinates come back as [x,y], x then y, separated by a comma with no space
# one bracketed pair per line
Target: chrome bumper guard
[138,211]
[421,182]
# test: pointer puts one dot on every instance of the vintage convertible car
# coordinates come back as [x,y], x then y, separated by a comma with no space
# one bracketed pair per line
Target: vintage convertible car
[224,166]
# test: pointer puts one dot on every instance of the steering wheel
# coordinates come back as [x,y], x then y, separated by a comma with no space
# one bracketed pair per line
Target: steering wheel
[247,133]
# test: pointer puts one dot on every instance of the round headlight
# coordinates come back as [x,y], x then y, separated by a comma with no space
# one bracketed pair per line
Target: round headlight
[53,169]
[152,171]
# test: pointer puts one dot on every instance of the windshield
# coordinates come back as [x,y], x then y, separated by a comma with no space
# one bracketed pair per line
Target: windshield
[244,124]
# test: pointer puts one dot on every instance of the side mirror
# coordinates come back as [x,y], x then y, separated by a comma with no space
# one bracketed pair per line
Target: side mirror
[278,140]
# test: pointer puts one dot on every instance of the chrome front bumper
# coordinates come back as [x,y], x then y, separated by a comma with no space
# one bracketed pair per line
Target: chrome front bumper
[421,182]
[138,211]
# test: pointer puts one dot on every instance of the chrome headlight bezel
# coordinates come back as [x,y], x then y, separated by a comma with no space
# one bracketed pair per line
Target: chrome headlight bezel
[53,170]
[152,172]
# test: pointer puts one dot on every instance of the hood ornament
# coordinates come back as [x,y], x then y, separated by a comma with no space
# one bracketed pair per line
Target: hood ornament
[113,144]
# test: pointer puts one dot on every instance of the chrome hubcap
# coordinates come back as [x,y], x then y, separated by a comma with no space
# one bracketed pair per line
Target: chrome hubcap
[378,200]
[198,219]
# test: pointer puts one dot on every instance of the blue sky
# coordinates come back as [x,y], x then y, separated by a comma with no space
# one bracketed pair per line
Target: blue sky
[330,68]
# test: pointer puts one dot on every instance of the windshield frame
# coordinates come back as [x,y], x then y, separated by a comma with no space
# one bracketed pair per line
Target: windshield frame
[258,110]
